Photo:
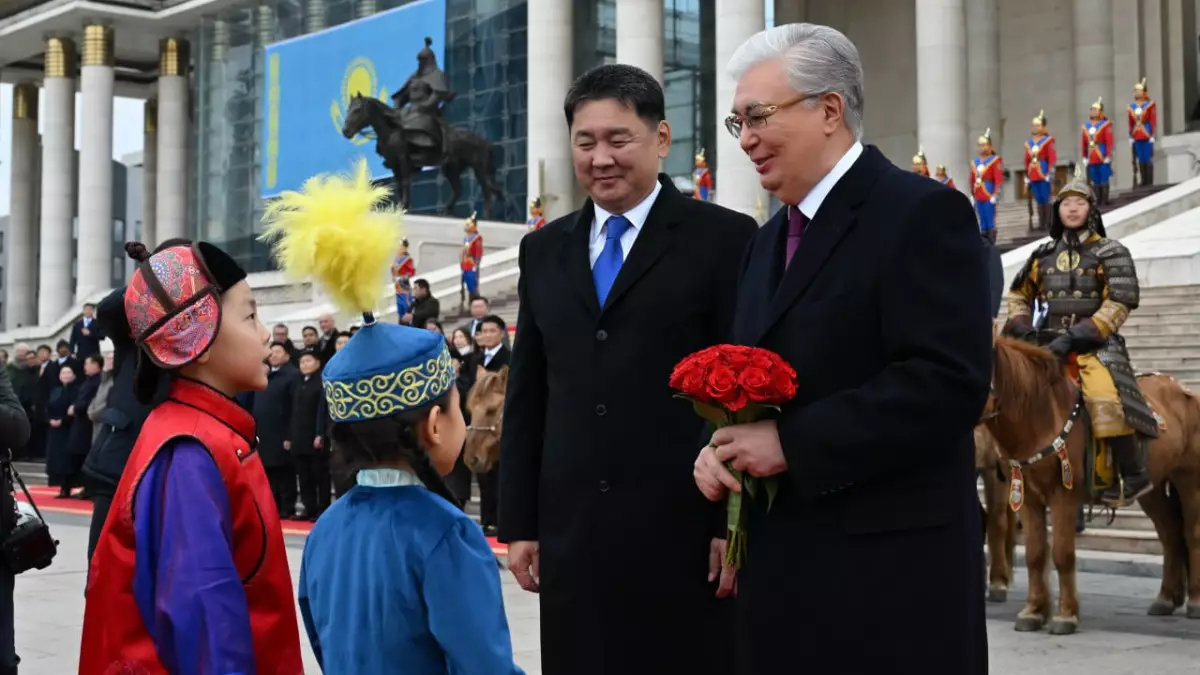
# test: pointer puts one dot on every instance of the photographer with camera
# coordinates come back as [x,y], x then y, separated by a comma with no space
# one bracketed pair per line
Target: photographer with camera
[14,433]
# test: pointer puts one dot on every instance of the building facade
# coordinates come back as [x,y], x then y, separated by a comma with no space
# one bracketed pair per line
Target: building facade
[937,74]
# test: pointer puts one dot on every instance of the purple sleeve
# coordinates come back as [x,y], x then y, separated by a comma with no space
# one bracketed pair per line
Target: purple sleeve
[187,588]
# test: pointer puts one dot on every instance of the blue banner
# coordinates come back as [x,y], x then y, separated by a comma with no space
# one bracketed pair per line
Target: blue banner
[311,79]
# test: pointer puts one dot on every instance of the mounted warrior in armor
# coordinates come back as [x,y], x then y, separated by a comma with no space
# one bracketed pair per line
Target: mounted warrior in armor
[1090,286]
[420,103]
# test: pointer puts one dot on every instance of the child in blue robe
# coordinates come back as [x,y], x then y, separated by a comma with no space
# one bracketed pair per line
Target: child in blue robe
[396,578]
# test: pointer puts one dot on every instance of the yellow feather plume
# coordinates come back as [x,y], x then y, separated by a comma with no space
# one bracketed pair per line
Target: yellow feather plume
[337,231]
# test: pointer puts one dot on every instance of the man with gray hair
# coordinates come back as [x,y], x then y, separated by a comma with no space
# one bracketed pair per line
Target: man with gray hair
[871,282]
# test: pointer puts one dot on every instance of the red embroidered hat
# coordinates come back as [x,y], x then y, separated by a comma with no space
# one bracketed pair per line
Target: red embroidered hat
[173,301]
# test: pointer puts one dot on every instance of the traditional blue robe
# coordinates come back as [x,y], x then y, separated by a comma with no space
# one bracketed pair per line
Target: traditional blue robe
[395,580]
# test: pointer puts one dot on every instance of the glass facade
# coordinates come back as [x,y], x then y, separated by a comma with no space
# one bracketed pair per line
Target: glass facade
[485,60]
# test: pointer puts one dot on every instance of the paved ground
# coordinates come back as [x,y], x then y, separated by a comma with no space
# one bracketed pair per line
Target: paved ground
[1117,638]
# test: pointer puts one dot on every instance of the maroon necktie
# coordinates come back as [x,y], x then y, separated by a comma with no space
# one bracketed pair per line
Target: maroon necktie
[796,224]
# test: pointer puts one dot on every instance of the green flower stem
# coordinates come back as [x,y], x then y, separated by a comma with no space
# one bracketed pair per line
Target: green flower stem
[735,552]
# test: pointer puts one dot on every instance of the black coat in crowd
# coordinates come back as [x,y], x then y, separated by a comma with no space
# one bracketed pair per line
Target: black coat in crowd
[86,335]
[14,433]
[273,415]
[61,463]
[597,453]
[81,427]
[306,409]
[885,314]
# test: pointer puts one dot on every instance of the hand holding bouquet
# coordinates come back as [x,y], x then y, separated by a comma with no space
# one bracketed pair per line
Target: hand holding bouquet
[733,384]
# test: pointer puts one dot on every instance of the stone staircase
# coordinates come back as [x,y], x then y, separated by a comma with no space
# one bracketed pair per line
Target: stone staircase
[1012,218]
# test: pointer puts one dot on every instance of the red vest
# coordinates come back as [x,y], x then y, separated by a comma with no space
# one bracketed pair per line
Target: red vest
[115,640]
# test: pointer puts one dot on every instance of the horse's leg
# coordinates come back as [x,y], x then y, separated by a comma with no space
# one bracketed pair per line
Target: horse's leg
[1037,606]
[1010,538]
[999,578]
[1189,498]
[1062,514]
[1167,517]
[488,185]
[453,175]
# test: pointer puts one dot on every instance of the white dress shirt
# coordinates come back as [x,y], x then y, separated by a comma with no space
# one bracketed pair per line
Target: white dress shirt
[637,218]
[489,353]
[812,203]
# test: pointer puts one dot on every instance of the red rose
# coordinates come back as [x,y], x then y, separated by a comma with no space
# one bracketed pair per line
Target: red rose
[779,362]
[757,384]
[688,378]
[721,383]
[783,383]
[707,357]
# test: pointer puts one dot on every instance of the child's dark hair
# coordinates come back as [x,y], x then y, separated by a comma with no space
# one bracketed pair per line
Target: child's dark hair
[391,439]
[96,359]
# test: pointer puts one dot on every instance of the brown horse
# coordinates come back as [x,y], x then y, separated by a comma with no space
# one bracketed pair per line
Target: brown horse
[485,403]
[1000,522]
[1030,408]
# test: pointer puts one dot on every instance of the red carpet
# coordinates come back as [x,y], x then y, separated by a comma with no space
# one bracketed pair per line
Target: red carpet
[48,501]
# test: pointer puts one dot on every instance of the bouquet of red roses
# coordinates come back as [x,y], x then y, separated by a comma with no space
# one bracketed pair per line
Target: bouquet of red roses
[733,384]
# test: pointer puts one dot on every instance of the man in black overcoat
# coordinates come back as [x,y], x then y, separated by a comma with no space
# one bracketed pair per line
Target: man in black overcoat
[872,285]
[596,497]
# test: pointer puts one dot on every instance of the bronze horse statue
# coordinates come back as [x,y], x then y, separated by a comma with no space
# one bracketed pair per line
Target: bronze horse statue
[464,150]
[485,403]
[1032,413]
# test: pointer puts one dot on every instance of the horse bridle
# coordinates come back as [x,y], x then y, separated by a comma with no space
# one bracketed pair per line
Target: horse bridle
[491,428]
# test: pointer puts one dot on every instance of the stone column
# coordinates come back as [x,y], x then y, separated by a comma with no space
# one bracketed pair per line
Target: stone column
[22,211]
[314,16]
[149,235]
[1126,71]
[640,35]
[171,188]
[983,76]
[55,289]
[1153,48]
[735,181]
[942,86]
[550,73]
[1093,47]
[790,11]
[95,164]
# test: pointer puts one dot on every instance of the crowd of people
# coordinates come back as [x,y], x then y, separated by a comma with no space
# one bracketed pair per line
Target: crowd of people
[294,427]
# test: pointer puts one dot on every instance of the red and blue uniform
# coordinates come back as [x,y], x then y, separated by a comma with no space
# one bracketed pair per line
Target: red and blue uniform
[1142,120]
[471,259]
[190,574]
[702,179]
[947,181]
[403,271]
[986,177]
[1040,158]
[1096,146]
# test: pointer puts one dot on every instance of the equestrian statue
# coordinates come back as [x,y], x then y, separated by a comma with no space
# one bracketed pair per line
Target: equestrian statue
[414,134]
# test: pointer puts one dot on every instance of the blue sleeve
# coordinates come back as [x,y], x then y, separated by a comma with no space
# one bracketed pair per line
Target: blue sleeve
[187,588]
[310,625]
[466,610]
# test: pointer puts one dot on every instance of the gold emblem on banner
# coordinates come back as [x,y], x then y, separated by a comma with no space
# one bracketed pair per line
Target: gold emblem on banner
[359,79]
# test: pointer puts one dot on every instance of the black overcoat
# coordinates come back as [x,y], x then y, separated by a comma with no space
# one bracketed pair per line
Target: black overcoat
[869,560]
[596,454]
[273,409]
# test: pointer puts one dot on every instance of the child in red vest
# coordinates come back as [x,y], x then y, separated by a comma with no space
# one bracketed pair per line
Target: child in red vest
[190,574]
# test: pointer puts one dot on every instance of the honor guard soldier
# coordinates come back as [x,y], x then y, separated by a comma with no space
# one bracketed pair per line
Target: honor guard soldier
[1097,143]
[919,163]
[944,178]
[403,270]
[537,215]
[986,177]
[1090,285]
[472,256]
[1142,120]
[702,177]
[1040,157]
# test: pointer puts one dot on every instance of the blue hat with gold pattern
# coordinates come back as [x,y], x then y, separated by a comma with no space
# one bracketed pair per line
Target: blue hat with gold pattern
[340,231]
[386,369]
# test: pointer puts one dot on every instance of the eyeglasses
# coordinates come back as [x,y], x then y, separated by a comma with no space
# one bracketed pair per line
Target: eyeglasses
[757,114]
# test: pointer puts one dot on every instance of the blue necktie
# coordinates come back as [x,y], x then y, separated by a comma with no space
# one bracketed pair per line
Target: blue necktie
[604,272]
